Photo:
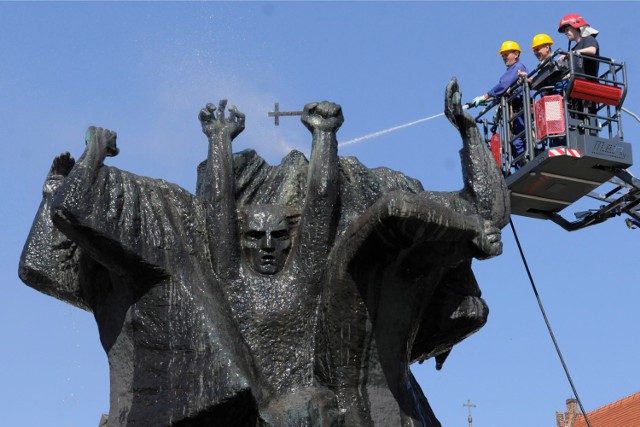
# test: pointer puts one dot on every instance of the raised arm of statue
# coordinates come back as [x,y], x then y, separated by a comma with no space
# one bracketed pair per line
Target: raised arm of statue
[220,131]
[218,187]
[484,185]
[73,194]
[111,214]
[100,144]
[319,215]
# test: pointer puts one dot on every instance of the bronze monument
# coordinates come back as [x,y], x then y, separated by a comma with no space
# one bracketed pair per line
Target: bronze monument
[289,295]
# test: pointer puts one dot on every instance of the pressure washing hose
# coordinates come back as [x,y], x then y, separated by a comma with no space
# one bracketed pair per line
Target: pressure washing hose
[631,113]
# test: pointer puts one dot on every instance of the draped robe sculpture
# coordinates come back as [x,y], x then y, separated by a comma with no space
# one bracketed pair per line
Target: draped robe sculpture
[290,295]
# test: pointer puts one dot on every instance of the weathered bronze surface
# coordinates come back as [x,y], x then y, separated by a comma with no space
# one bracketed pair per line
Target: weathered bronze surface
[289,295]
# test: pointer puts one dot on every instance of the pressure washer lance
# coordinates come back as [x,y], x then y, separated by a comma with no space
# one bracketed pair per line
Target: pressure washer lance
[483,104]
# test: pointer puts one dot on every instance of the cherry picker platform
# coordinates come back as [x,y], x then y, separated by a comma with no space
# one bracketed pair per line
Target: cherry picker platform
[572,132]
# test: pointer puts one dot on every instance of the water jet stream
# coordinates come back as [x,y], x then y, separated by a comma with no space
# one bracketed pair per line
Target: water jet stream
[384,131]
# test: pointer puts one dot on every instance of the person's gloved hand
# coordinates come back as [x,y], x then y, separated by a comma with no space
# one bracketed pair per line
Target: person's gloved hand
[478,100]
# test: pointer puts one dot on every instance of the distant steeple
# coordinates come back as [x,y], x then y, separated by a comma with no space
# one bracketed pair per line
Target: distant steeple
[469,405]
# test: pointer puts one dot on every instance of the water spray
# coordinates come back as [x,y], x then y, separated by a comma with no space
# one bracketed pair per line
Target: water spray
[276,114]
[384,131]
[392,129]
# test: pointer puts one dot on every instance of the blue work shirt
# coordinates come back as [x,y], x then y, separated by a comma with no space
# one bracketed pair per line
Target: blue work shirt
[508,78]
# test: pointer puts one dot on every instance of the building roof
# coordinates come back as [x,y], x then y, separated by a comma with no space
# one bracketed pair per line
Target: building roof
[623,413]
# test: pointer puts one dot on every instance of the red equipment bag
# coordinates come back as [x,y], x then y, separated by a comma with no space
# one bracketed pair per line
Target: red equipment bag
[549,116]
[495,149]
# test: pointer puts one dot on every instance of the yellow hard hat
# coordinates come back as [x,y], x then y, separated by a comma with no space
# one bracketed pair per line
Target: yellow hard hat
[540,39]
[509,45]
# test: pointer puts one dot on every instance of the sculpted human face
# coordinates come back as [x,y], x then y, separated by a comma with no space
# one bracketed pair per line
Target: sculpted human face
[266,239]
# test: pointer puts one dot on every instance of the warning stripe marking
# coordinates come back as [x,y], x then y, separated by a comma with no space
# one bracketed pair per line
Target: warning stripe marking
[553,152]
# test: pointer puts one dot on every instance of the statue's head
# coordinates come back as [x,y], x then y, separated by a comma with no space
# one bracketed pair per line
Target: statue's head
[266,236]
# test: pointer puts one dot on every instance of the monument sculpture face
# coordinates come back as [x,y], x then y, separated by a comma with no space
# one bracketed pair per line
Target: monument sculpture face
[290,295]
[266,239]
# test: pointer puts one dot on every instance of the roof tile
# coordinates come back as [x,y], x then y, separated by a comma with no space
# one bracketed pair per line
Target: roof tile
[623,413]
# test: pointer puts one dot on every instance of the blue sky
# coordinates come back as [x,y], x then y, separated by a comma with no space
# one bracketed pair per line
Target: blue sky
[144,69]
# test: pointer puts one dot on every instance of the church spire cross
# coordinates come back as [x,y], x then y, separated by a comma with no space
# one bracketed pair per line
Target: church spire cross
[469,405]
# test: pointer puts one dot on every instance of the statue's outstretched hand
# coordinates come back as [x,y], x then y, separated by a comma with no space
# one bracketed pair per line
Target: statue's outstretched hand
[62,165]
[102,140]
[214,123]
[325,116]
[60,168]
[453,105]
[489,241]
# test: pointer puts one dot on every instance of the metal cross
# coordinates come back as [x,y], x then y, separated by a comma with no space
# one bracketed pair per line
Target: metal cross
[276,113]
[469,405]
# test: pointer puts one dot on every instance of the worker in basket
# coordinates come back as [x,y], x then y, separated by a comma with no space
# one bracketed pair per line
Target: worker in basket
[541,45]
[584,36]
[510,52]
